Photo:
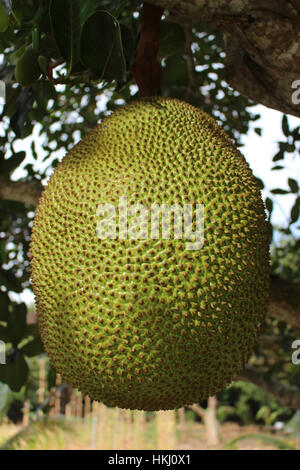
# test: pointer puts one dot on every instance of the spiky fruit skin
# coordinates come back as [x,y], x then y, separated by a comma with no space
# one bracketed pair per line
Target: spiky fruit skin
[146,324]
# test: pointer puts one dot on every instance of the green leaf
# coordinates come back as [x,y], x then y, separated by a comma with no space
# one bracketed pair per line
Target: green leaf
[285,126]
[295,213]
[290,148]
[4,306]
[8,165]
[263,413]
[4,334]
[101,47]
[43,92]
[9,280]
[31,330]
[15,372]
[15,56]
[172,38]
[269,205]
[277,167]
[16,323]
[293,185]
[279,191]
[128,42]
[258,131]
[67,20]
[5,394]
[22,107]
[3,256]
[175,71]
[279,156]
[33,348]
[4,20]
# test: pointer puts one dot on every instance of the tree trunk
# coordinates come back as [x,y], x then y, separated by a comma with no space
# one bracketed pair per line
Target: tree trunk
[209,419]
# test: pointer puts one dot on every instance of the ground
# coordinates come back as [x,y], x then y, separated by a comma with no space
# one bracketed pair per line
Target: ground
[115,433]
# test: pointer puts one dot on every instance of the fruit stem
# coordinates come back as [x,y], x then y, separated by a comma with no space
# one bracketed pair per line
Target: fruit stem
[146,69]
[36,38]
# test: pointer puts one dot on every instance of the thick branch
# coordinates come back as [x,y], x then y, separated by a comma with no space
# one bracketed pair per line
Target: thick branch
[198,410]
[27,192]
[287,396]
[262,39]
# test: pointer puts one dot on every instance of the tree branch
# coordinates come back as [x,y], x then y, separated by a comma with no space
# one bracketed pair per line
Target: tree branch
[287,396]
[27,192]
[146,68]
[198,410]
[261,36]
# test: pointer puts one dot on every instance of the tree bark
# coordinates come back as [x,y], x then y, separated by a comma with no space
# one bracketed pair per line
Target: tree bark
[209,419]
[27,192]
[146,69]
[212,422]
[262,44]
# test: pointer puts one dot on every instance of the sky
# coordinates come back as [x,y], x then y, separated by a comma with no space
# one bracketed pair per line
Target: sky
[259,151]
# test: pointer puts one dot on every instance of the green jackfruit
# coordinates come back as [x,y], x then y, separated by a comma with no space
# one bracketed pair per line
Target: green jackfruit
[27,69]
[135,319]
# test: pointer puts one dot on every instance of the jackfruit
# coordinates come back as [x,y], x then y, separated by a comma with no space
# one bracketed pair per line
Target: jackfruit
[27,69]
[137,319]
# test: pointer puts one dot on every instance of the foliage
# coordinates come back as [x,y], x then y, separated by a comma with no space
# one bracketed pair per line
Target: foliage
[292,427]
[39,435]
[274,441]
[285,258]
[22,342]
[246,403]
[289,147]
[12,402]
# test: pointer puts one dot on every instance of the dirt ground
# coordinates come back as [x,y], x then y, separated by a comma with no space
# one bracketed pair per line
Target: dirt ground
[81,436]
[195,437]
